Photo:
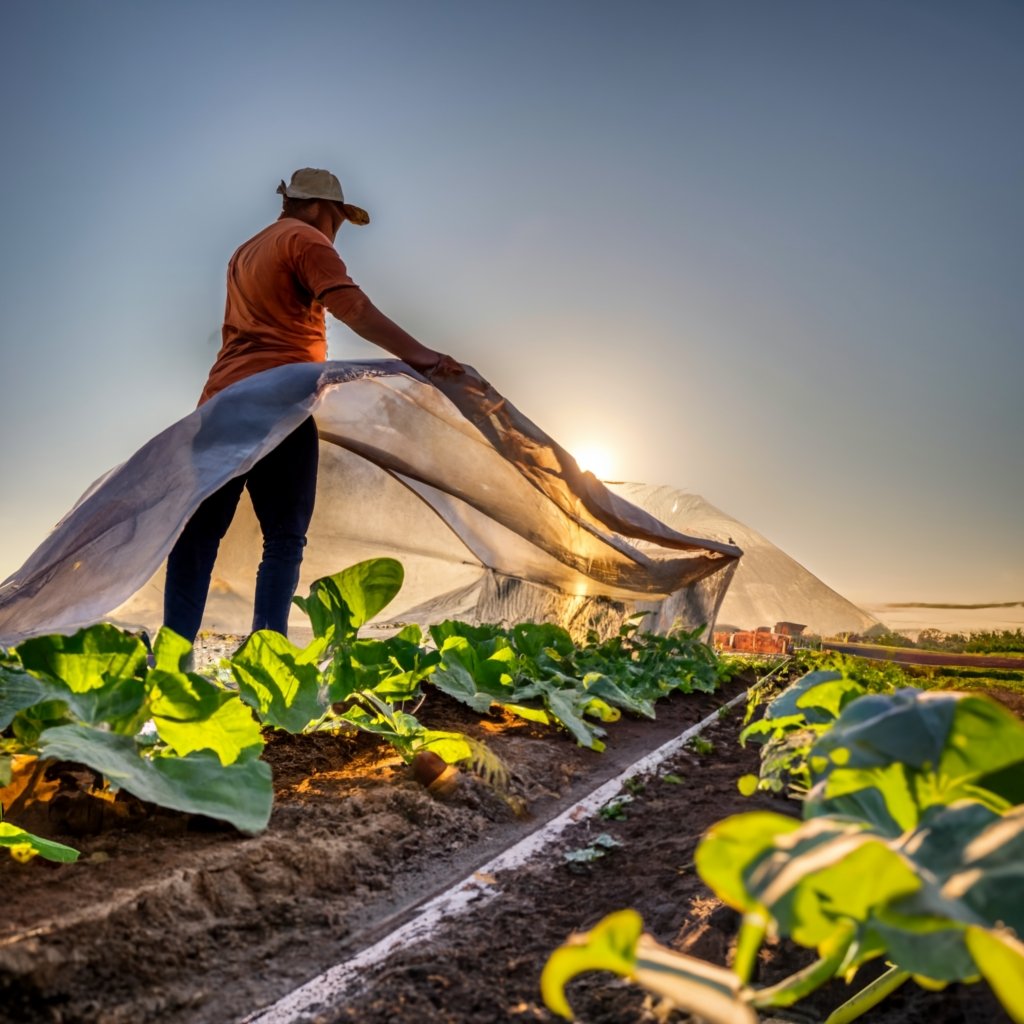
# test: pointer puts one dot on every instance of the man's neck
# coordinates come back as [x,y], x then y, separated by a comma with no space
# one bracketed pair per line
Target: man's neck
[321,220]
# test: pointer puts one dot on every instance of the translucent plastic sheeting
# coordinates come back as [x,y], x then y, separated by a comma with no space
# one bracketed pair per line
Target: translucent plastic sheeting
[492,520]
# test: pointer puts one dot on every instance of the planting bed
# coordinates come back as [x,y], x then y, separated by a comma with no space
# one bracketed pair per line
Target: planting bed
[170,919]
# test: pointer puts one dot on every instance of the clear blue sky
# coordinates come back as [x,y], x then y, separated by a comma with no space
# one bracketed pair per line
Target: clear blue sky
[769,252]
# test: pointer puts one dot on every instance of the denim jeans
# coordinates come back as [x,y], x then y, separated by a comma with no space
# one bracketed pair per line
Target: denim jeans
[282,486]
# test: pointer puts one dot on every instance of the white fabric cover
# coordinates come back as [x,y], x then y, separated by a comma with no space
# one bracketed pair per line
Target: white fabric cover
[492,520]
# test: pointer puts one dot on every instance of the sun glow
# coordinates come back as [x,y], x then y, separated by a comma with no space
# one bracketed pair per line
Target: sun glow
[597,459]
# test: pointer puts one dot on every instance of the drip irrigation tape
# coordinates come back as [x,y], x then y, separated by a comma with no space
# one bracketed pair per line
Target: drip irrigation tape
[333,985]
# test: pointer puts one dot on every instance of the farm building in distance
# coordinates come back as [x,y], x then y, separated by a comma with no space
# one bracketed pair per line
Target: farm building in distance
[777,639]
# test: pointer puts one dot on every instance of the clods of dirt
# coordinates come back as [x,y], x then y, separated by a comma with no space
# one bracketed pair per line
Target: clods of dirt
[209,927]
[206,926]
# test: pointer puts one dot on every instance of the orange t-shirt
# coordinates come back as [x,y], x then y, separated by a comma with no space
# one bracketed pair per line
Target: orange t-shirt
[272,315]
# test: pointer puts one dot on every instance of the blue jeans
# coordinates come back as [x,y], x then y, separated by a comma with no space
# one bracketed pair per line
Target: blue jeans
[282,486]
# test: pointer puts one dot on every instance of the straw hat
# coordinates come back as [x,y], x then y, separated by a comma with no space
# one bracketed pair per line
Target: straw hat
[312,183]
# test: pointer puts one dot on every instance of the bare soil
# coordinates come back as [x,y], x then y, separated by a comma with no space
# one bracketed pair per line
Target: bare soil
[172,919]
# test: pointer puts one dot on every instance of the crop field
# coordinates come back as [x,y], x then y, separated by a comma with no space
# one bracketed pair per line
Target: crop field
[480,823]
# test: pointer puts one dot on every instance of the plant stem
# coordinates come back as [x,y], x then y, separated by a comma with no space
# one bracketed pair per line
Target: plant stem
[869,997]
[798,985]
[747,945]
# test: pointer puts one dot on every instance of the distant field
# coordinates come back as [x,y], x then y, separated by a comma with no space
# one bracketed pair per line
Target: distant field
[909,656]
[950,620]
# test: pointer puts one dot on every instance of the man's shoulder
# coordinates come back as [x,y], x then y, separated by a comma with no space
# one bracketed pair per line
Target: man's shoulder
[289,227]
[283,235]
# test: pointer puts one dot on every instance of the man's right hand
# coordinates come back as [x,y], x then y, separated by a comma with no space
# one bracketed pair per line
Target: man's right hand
[353,308]
[444,367]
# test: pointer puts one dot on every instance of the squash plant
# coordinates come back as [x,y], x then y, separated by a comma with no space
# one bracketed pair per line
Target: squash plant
[165,735]
[533,670]
[912,851]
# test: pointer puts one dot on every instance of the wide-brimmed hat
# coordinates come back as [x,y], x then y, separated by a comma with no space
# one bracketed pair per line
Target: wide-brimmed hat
[312,183]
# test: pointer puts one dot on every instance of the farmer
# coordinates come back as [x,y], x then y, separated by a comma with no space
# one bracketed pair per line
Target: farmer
[279,283]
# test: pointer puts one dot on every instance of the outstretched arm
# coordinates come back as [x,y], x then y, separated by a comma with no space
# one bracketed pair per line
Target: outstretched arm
[356,311]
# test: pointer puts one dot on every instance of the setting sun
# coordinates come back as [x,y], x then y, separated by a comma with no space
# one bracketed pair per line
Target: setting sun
[597,459]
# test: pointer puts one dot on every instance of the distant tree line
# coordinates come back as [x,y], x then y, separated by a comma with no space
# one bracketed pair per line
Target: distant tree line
[1003,641]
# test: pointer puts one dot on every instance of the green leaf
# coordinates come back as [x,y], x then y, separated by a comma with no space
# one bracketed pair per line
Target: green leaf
[1000,959]
[338,605]
[239,793]
[789,701]
[826,875]
[478,674]
[398,666]
[171,652]
[476,635]
[18,690]
[456,679]
[532,639]
[97,673]
[402,730]
[91,659]
[730,849]
[568,713]
[616,944]
[990,879]
[943,745]
[927,947]
[24,845]
[411,634]
[280,681]
[601,686]
[610,946]
[829,697]
[191,713]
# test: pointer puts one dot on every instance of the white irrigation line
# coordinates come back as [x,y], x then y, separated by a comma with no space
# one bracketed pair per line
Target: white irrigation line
[479,888]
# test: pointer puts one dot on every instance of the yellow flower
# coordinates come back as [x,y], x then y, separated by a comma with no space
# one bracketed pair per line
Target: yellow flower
[23,852]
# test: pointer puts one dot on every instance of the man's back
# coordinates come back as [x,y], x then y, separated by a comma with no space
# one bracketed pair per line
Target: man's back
[272,316]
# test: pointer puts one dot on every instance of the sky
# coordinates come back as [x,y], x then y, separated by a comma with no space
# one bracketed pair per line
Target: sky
[771,252]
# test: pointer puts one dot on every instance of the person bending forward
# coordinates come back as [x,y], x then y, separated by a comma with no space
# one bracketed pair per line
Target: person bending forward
[278,285]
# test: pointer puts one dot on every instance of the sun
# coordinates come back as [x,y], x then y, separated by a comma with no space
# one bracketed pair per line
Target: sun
[596,458]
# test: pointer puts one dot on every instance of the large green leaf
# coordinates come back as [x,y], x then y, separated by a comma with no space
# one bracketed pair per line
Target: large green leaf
[797,699]
[191,713]
[456,679]
[911,898]
[918,750]
[731,848]
[533,639]
[239,793]
[1000,958]
[392,668]
[989,879]
[826,875]
[477,674]
[90,659]
[567,708]
[602,686]
[171,652]
[338,605]
[280,681]
[18,690]
[477,635]
[97,672]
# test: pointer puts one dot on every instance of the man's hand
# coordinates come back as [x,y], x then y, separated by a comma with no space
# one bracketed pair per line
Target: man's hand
[444,366]
[353,308]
